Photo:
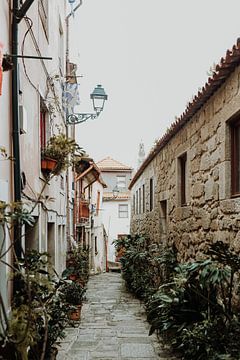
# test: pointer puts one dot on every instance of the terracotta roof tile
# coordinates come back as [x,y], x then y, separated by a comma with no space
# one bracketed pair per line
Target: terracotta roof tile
[222,72]
[109,164]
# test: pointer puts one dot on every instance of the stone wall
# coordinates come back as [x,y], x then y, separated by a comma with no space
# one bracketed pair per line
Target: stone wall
[210,213]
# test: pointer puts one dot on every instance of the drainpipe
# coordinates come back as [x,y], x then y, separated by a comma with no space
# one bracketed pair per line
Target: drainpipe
[15,125]
[17,16]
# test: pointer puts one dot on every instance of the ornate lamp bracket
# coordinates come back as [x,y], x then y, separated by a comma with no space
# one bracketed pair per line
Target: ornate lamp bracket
[76,118]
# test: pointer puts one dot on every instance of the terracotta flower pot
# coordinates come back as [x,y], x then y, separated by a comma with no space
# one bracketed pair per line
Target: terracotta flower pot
[75,314]
[48,164]
[72,277]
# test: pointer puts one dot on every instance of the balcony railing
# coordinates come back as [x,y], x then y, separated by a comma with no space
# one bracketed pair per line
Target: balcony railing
[83,212]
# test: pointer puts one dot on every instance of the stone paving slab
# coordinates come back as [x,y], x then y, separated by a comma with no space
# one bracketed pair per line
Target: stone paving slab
[113,326]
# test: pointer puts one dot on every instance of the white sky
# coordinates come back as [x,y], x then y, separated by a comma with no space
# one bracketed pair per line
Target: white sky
[150,56]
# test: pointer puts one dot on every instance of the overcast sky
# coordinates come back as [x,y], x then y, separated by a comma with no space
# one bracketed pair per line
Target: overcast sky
[151,56]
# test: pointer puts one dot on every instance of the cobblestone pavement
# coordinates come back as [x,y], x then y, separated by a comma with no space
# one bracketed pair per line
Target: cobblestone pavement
[113,326]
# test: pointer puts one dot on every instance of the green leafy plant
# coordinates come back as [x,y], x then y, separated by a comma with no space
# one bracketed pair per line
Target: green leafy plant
[62,149]
[78,264]
[140,264]
[72,293]
[195,311]
[39,314]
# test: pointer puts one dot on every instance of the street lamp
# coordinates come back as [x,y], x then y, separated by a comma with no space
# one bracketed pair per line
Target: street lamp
[98,97]
[115,192]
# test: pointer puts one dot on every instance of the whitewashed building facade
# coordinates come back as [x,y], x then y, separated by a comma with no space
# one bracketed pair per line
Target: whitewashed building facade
[116,201]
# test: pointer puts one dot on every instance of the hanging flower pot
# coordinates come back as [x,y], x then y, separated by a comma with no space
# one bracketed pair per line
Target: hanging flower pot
[48,164]
[62,149]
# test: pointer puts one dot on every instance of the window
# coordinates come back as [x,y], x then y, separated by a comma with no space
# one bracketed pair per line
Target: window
[61,182]
[123,210]
[182,174]
[121,182]
[95,244]
[235,157]
[98,203]
[151,190]
[136,203]
[43,13]
[140,201]
[44,126]
[43,129]
[61,49]
[134,208]
[163,216]
[143,198]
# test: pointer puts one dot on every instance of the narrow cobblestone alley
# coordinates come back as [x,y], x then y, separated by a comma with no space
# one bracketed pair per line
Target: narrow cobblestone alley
[113,325]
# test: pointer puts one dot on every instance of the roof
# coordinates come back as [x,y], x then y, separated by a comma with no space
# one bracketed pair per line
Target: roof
[223,70]
[109,164]
[121,196]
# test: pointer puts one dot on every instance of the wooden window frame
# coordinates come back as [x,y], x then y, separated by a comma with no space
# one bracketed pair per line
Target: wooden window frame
[43,137]
[98,203]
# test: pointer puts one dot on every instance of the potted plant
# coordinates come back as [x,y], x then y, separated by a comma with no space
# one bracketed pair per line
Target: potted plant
[48,164]
[70,273]
[73,294]
[78,264]
[61,150]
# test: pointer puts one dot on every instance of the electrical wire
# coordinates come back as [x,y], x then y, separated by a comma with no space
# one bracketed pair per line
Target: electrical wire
[49,81]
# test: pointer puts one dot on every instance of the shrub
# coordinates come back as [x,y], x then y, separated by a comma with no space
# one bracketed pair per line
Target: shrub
[194,307]
[194,312]
[72,293]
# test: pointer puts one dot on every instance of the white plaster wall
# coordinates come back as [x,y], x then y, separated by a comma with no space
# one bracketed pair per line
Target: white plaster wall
[6,194]
[5,114]
[35,85]
[113,224]
[99,254]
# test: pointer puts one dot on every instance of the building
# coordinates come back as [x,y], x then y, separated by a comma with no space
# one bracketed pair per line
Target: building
[116,201]
[187,191]
[88,221]
[32,108]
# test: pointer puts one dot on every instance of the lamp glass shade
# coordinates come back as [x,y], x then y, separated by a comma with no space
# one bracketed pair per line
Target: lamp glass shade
[98,97]
[115,192]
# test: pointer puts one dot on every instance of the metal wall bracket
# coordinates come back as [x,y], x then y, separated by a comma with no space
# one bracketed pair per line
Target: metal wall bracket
[73,119]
